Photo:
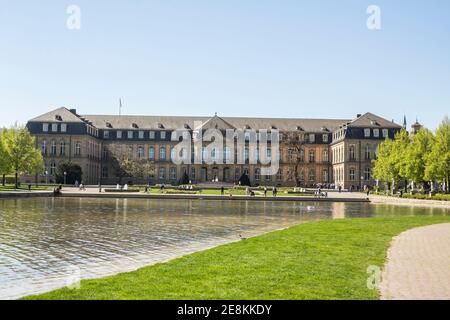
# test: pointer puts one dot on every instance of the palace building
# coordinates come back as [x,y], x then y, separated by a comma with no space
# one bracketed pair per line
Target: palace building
[335,151]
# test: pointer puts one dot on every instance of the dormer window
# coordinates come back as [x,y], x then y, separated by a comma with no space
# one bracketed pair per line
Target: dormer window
[135,126]
[299,128]
[109,125]
[58,117]
[325,129]
[247,127]
[160,126]
[187,127]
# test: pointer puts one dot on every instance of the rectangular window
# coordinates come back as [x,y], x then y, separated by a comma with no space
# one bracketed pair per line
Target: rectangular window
[141,152]
[106,134]
[45,127]
[105,172]
[173,173]
[312,138]
[376,133]
[54,127]
[63,127]
[192,173]
[367,133]
[152,135]
[162,173]
[280,175]
[367,174]
[325,138]
[130,134]
[141,134]
[385,133]
[352,175]
[325,175]
[163,135]
[119,134]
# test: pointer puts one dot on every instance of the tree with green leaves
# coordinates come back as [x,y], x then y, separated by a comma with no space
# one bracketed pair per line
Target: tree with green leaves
[244,180]
[5,159]
[416,157]
[438,159]
[389,165]
[20,148]
[184,179]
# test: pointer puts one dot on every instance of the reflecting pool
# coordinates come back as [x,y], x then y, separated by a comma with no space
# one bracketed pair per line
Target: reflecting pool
[49,243]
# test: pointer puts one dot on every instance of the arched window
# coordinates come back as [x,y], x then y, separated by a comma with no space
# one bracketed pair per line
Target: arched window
[151,153]
[162,153]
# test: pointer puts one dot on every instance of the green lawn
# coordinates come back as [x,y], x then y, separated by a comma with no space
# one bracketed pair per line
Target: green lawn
[318,260]
[24,187]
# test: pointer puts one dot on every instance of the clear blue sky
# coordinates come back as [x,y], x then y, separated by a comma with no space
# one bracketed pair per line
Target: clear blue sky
[237,57]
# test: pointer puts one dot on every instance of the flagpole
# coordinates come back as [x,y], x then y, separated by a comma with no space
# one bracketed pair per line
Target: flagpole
[120,106]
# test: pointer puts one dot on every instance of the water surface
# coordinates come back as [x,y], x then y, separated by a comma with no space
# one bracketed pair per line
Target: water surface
[49,243]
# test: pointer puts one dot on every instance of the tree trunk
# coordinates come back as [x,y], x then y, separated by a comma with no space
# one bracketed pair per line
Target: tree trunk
[4,180]
[17,180]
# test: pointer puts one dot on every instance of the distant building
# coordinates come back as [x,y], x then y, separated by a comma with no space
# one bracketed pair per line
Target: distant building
[336,152]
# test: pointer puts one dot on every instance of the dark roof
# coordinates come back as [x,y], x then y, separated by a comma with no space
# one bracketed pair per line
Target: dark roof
[172,123]
[109,122]
[370,120]
[59,115]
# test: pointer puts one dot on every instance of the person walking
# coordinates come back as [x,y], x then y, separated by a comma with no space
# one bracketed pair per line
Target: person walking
[222,191]
[265,191]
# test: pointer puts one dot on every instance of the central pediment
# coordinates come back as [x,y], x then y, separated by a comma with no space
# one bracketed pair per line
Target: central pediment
[218,123]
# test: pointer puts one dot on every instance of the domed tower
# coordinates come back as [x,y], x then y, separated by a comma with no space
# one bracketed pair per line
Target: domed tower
[416,127]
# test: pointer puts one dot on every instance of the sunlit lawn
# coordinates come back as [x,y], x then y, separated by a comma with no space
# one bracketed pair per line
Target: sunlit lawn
[318,260]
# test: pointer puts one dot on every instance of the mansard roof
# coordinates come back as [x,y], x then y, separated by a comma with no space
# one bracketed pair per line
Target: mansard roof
[111,122]
[173,123]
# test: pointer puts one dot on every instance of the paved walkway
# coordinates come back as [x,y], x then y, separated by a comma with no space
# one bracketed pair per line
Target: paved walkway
[418,266]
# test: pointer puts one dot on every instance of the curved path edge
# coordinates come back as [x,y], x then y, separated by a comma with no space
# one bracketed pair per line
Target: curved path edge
[418,265]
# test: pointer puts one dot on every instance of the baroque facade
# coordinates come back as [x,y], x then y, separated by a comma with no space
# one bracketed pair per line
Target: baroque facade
[335,151]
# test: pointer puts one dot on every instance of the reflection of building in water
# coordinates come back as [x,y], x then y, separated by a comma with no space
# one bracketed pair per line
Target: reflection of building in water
[338,210]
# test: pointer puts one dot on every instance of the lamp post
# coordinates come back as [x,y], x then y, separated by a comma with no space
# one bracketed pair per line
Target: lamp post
[65,177]
[46,177]
[362,181]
